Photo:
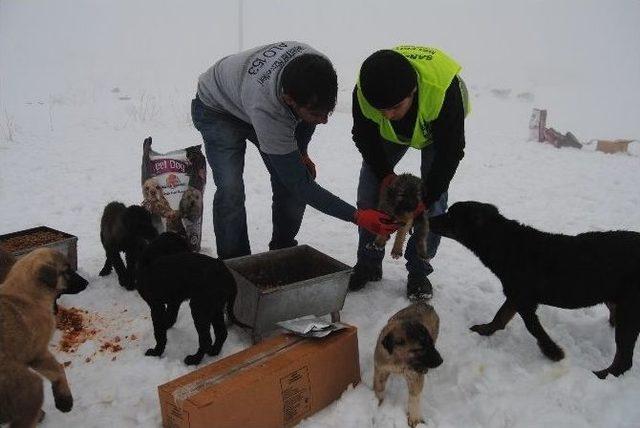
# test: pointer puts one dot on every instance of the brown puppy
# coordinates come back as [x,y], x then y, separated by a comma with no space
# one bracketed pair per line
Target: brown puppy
[6,261]
[406,345]
[27,324]
[400,200]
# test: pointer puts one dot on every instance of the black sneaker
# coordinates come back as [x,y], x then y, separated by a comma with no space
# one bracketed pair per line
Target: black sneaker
[418,288]
[362,274]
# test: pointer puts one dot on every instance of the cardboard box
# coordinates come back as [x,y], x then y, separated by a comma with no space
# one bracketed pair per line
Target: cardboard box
[275,383]
[614,146]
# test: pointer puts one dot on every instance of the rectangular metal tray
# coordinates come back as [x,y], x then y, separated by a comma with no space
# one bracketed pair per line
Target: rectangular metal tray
[288,283]
[67,244]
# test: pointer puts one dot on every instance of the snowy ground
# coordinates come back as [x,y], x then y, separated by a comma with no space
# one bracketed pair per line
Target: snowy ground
[82,84]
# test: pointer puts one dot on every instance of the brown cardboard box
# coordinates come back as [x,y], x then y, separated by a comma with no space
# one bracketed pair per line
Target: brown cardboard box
[614,146]
[275,383]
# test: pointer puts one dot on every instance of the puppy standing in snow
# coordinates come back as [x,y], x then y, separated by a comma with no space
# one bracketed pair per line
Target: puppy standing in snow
[406,345]
[551,269]
[27,324]
[125,229]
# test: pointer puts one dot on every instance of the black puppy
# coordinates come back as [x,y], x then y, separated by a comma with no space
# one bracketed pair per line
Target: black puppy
[165,281]
[557,270]
[126,229]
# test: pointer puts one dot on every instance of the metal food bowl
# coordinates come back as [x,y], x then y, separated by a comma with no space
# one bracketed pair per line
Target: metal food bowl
[289,283]
[24,241]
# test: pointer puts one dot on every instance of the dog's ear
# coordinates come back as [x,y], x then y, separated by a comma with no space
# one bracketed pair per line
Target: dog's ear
[48,274]
[388,343]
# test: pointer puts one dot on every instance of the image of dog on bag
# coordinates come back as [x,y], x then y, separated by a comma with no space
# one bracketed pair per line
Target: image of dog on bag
[191,204]
[169,276]
[156,203]
[539,268]
[124,229]
[27,324]
[406,345]
[154,199]
[400,200]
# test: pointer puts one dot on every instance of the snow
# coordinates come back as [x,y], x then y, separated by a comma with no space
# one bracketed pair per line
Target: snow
[83,83]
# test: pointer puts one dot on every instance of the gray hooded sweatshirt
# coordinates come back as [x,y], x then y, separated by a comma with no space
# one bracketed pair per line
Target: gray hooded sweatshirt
[247,85]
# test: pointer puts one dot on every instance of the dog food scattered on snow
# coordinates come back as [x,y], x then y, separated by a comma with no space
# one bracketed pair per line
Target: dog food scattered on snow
[78,326]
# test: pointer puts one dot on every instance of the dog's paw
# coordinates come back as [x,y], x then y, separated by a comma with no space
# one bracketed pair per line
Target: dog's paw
[483,329]
[64,403]
[193,360]
[602,374]
[154,352]
[396,254]
[552,351]
[413,421]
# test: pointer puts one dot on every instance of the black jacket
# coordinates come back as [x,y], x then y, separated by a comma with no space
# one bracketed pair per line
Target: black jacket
[447,131]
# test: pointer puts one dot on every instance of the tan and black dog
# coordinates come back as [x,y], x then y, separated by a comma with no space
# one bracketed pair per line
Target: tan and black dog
[27,324]
[406,346]
[400,200]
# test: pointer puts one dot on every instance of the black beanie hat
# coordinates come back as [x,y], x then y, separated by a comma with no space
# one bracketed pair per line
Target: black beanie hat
[386,78]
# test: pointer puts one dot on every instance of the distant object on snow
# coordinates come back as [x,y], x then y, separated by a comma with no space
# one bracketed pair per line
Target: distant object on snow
[538,131]
[613,146]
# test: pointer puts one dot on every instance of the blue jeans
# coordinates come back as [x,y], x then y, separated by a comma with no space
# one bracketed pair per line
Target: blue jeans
[368,193]
[225,142]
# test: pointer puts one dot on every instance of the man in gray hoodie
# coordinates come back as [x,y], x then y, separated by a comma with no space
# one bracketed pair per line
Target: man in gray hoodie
[274,96]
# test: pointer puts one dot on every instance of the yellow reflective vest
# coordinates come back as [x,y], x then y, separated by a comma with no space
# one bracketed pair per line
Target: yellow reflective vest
[435,70]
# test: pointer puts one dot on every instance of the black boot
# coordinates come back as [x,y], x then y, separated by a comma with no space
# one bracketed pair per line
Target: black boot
[363,273]
[418,288]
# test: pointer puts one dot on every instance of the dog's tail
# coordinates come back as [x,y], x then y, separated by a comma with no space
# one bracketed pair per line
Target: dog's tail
[230,314]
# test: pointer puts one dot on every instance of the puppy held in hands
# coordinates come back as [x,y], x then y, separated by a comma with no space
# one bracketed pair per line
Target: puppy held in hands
[27,324]
[124,229]
[400,200]
[406,345]
[168,275]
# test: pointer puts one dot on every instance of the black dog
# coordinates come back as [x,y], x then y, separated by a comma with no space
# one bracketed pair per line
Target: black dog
[168,275]
[551,269]
[126,229]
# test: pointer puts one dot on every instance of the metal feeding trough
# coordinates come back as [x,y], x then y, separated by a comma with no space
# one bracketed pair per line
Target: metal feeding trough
[24,241]
[288,283]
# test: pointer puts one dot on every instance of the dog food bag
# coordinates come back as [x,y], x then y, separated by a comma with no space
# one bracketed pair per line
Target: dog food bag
[172,188]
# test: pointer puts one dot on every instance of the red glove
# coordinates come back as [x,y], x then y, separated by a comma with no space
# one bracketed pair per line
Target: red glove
[311,167]
[387,181]
[419,209]
[375,222]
